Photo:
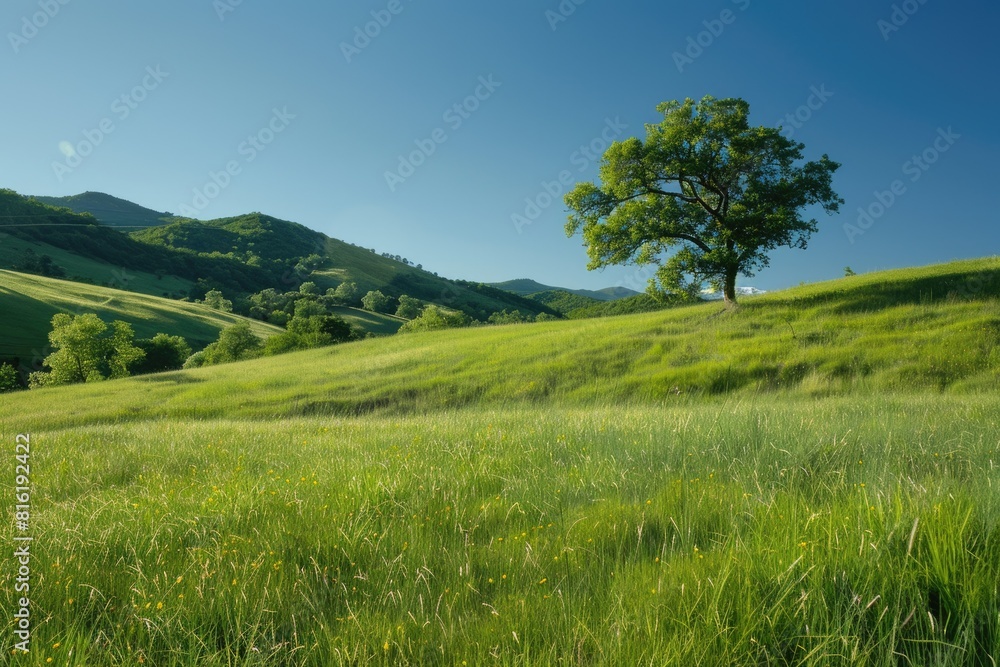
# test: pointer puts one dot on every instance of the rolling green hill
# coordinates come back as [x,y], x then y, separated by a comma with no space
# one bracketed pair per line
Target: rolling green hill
[617,292]
[930,329]
[377,323]
[577,306]
[78,268]
[240,256]
[109,210]
[806,480]
[29,220]
[264,241]
[254,238]
[28,303]
[630,305]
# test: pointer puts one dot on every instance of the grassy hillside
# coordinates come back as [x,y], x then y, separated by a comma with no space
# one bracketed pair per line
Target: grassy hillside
[28,303]
[837,532]
[350,263]
[809,480]
[474,515]
[930,329]
[95,268]
[84,269]
[376,323]
[109,210]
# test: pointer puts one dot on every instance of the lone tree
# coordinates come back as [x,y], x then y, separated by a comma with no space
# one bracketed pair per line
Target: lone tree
[718,193]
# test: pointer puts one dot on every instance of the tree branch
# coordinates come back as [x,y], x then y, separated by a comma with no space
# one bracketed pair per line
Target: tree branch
[693,239]
[701,202]
[678,195]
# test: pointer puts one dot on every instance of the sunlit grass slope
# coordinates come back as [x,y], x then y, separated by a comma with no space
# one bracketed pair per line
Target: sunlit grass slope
[13,249]
[28,302]
[935,328]
[377,323]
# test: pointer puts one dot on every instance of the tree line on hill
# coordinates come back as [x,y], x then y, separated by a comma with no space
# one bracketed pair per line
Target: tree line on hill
[400,259]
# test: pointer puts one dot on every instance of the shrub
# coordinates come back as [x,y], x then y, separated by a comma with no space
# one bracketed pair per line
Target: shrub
[504,317]
[235,343]
[163,353]
[10,379]
[434,318]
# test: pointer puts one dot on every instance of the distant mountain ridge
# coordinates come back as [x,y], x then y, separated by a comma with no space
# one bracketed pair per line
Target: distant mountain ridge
[109,210]
[527,286]
[162,228]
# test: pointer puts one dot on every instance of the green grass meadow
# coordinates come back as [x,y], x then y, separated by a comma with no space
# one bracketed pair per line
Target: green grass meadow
[802,533]
[809,480]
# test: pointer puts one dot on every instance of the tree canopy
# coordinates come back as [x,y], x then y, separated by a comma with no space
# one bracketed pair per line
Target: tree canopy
[236,342]
[122,354]
[163,353]
[409,308]
[215,299]
[705,197]
[345,293]
[376,302]
[84,354]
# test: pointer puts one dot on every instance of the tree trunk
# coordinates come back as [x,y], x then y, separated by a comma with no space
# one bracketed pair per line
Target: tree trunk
[729,291]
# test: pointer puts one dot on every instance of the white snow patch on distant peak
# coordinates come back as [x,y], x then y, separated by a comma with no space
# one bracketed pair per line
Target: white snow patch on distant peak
[740,291]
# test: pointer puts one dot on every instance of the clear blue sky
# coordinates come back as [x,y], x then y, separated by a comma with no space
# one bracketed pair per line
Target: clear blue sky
[559,82]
